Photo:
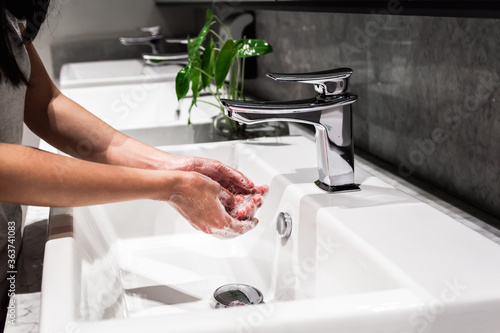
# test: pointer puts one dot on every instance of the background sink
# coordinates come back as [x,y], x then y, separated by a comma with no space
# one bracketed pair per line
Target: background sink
[91,74]
[156,119]
[130,106]
[139,101]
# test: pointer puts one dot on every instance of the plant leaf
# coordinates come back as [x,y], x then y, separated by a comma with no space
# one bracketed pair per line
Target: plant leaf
[252,47]
[208,64]
[182,81]
[209,15]
[196,43]
[190,47]
[224,61]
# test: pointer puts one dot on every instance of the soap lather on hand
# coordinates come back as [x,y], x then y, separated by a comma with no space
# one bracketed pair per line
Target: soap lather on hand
[245,205]
[238,197]
[243,211]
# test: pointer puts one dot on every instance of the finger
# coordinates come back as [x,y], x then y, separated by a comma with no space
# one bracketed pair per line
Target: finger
[262,189]
[244,226]
[234,180]
[238,199]
[226,198]
[250,210]
[241,214]
[232,228]
[257,200]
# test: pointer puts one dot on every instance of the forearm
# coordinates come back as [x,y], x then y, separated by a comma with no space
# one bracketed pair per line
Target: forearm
[33,177]
[77,132]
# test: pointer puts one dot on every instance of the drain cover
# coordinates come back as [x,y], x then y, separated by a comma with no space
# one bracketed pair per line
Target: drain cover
[237,294]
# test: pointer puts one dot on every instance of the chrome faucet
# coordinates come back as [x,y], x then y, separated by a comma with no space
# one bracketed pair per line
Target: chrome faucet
[165,59]
[331,114]
[158,44]
[156,40]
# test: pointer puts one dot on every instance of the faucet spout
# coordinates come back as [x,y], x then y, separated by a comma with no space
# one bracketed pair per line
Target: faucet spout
[165,59]
[155,40]
[159,47]
[331,116]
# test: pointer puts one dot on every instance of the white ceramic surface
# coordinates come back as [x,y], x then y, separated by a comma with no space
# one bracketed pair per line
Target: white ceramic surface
[131,106]
[362,261]
[94,73]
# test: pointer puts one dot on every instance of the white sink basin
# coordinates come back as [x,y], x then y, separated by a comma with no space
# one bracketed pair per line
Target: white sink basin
[376,260]
[153,116]
[149,112]
[90,74]
[130,106]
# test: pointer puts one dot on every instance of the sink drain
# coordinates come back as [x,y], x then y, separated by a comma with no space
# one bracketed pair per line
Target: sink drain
[237,294]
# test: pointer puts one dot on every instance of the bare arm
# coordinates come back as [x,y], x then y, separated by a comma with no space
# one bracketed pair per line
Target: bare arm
[34,177]
[77,132]
[70,128]
[125,170]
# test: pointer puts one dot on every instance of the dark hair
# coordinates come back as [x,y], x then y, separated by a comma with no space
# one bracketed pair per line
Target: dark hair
[33,12]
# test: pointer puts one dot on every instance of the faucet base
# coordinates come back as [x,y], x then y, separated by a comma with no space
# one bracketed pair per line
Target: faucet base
[339,188]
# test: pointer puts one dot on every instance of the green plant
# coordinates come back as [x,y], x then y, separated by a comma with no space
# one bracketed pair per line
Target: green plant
[213,62]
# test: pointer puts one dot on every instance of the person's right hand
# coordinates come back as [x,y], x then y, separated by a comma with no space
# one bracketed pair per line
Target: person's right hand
[228,177]
[213,209]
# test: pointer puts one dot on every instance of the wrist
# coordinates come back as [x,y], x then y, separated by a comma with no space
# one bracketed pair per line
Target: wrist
[170,184]
[177,163]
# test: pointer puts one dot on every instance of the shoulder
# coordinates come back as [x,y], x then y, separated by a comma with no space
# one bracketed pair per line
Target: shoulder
[14,25]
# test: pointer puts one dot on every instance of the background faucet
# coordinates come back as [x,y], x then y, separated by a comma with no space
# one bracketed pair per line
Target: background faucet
[158,44]
[330,111]
[155,40]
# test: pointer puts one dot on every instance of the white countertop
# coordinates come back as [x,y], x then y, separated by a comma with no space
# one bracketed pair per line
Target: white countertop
[28,305]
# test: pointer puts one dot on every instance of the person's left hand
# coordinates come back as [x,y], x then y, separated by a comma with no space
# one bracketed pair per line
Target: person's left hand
[229,178]
[247,196]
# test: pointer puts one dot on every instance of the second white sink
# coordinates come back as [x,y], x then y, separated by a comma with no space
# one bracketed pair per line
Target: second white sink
[149,112]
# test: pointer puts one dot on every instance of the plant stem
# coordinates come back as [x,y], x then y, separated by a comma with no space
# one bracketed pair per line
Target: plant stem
[189,113]
[210,103]
[223,26]
[217,35]
[242,79]
[232,81]
[237,78]
[207,74]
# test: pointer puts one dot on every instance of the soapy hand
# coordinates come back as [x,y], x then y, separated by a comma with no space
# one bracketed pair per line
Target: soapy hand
[213,209]
[245,205]
[229,178]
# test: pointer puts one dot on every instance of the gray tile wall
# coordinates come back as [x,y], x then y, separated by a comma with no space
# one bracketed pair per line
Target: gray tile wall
[429,89]
[92,50]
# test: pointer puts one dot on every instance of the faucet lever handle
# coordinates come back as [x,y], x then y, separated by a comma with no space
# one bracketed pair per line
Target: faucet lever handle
[330,82]
[154,30]
[155,39]
[177,41]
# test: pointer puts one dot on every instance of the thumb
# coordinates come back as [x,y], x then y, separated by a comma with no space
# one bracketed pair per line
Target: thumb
[226,198]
